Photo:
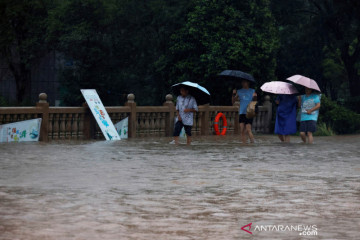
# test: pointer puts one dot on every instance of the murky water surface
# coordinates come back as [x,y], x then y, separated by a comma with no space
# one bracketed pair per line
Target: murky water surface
[148,189]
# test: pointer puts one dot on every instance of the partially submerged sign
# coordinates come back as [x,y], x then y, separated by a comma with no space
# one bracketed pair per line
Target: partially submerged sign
[24,131]
[122,128]
[100,114]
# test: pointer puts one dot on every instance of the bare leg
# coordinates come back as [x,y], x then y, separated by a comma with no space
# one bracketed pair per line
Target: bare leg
[303,136]
[281,137]
[176,140]
[310,137]
[188,141]
[242,132]
[287,138]
[249,132]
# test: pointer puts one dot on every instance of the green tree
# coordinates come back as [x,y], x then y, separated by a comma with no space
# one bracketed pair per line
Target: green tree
[341,23]
[117,47]
[142,35]
[80,30]
[320,39]
[221,35]
[22,38]
[301,41]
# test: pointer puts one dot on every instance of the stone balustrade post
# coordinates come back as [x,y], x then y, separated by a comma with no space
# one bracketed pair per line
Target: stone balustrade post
[236,124]
[169,121]
[205,120]
[89,121]
[268,105]
[44,105]
[132,115]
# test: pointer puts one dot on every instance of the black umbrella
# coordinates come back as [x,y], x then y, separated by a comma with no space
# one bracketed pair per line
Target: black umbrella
[200,93]
[237,75]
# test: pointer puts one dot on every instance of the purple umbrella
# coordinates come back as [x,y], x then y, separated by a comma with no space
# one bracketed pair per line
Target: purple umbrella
[304,81]
[278,87]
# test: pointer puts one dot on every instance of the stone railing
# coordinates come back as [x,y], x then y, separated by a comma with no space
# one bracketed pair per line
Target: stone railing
[78,122]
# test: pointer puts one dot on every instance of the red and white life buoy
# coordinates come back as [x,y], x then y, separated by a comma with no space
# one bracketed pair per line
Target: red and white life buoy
[216,124]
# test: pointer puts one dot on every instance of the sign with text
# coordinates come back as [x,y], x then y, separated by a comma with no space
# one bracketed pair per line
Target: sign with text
[100,114]
[24,131]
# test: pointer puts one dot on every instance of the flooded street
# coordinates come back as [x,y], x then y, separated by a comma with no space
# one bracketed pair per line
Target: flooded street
[148,189]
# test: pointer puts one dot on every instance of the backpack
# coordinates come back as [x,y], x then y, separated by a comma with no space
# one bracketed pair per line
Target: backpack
[252,109]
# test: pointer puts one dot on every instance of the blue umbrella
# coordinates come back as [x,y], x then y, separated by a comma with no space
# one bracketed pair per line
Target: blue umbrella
[200,93]
[237,75]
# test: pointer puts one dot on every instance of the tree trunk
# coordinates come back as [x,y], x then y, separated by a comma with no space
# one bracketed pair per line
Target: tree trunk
[354,84]
[22,77]
[21,89]
[353,77]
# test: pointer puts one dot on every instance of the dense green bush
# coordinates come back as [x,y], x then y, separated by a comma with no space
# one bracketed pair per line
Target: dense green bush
[322,129]
[352,103]
[341,119]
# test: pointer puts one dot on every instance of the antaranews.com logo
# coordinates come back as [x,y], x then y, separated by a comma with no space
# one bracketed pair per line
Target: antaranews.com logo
[303,230]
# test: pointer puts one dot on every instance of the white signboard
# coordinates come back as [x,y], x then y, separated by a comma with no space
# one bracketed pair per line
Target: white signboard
[122,128]
[100,114]
[24,131]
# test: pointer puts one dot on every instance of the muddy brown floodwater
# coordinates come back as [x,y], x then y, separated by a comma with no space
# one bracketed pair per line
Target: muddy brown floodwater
[148,189]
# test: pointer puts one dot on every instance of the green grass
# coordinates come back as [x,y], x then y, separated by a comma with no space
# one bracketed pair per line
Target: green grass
[324,130]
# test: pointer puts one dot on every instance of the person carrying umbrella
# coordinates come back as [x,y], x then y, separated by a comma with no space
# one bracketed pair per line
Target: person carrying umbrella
[309,104]
[245,96]
[186,105]
[286,100]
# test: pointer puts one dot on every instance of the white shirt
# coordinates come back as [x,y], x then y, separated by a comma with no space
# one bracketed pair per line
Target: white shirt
[183,103]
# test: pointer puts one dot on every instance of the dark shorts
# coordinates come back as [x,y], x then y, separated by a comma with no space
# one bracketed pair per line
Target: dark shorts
[243,119]
[308,126]
[178,126]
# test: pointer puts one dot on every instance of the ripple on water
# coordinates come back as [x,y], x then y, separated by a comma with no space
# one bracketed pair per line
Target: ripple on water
[148,189]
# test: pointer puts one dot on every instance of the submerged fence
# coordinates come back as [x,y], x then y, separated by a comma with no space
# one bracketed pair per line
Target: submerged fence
[78,122]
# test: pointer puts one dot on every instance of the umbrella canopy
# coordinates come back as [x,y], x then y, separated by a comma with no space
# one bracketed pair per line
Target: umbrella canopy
[278,87]
[200,93]
[304,81]
[237,75]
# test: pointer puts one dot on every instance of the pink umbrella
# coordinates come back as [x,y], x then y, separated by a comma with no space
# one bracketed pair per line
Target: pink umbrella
[304,81]
[278,87]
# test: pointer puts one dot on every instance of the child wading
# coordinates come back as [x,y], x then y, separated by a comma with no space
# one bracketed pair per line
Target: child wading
[310,104]
[185,107]
[245,95]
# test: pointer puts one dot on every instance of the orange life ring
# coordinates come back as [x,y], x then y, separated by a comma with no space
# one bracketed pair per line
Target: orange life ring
[216,124]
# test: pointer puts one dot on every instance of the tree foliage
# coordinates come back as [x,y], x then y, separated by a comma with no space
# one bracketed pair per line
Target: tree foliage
[144,46]
[340,119]
[320,39]
[221,35]
[22,38]
[117,47]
